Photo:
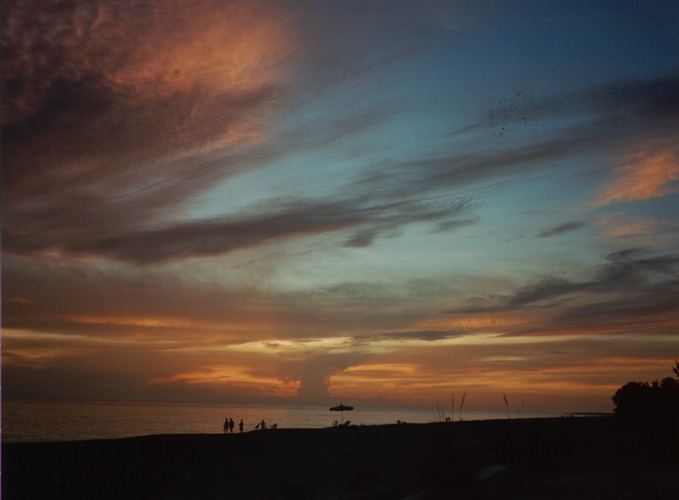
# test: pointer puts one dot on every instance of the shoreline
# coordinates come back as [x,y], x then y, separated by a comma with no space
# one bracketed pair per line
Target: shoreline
[562,457]
[23,421]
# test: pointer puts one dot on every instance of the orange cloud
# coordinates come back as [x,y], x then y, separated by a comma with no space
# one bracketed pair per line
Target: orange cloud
[619,225]
[213,51]
[479,322]
[37,350]
[295,348]
[234,329]
[19,300]
[239,377]
[154,48]
[636,363]
[646,174]
[395,381]
[33,357]
[159,322]
[486,378]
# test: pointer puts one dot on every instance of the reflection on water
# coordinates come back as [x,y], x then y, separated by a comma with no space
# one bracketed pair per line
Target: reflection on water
[48,420]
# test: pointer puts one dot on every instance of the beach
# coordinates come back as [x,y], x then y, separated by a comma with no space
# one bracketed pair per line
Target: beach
[584,457]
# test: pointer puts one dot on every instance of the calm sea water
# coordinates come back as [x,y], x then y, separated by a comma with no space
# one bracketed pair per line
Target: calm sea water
[48,420]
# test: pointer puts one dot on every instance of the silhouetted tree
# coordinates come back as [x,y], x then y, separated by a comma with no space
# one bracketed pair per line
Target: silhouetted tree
[655,401]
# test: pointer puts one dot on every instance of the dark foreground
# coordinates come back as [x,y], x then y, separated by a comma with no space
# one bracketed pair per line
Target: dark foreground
[578,458]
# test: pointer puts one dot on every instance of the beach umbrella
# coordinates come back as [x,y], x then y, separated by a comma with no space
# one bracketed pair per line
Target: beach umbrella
[342,408]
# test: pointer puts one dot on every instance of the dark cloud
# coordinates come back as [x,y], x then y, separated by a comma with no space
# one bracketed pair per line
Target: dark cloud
[426,335]
[214,237]
[632,292]
[391,217]
[456,170]
[627,272]
[86,210]
[655,309]
[142,245]
[631,268]
[566,227]
[545,289]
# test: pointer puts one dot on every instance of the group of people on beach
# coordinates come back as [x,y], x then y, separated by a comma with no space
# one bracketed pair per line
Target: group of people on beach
[229,424]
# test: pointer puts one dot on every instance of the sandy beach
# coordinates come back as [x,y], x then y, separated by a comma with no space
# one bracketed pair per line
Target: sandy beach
[588,457]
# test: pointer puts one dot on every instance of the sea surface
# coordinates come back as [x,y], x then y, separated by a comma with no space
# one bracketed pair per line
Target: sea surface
[56,420]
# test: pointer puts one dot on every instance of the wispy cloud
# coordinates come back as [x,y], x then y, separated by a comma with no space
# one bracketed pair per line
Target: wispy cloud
[181,240]
[113,115]
[651,172]
[566,227]
[630,285]
[609,118]
[133,135]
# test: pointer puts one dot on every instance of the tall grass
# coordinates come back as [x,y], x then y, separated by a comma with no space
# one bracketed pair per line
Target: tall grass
[441,414]
[440,417]
[462,404]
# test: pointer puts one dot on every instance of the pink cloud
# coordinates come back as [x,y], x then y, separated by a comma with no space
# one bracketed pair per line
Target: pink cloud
[648,173]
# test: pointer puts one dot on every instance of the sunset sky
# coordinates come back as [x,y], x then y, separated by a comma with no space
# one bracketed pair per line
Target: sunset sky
[307,202]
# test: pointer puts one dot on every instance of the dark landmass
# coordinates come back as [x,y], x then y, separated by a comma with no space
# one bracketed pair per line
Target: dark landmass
[583,458]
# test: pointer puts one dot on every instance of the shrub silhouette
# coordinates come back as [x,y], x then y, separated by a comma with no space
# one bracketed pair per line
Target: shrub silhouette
[656,401]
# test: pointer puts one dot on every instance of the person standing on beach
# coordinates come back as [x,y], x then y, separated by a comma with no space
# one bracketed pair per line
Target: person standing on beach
[240,426]
[231,424]
[226,425]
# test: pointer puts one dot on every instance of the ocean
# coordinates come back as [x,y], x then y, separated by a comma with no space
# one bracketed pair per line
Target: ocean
[55,420]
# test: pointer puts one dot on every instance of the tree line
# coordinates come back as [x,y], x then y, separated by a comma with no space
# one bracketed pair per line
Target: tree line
[656,401]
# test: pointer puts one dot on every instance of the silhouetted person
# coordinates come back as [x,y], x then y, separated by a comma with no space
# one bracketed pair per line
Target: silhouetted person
[226,425]
[240,426]
[231,424]
[263,425]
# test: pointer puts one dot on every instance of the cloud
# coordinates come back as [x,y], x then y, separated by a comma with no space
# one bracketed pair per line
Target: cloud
[650,172]
[632,290]
[425,335]
[608,118]
[619,225]
[445,171]
[180,240]
[566,227]
[244,379]
[115,119]
[91,80]
[655,310]
[112,117]
[120,303]
[128,137]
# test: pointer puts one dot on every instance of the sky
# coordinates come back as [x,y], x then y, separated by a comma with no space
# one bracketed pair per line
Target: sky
[384,203]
